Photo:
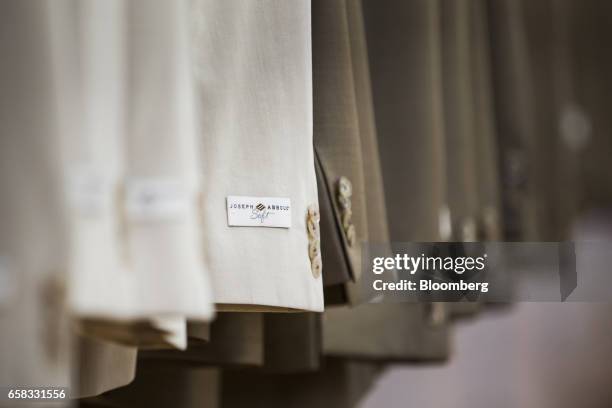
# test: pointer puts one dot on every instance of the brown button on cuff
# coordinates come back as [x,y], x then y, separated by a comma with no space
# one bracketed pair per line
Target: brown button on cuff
[350,235]
[345,188]
[343,197]
[314,240]
[316,266]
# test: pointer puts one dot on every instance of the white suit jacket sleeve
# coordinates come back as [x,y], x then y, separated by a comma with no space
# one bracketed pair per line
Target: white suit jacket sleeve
[162,212]
[254,69]
[123,69]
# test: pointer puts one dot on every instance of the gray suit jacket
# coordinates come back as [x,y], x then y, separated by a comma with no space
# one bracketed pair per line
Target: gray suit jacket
[236,339]
[410,140]
[163,385]
[515,115]
[346,148]
[337,143]
[339,383]
[34,325]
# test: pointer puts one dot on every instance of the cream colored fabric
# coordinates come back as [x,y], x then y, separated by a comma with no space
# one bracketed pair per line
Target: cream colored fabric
[255,89]
[34,334]
[163,237]
[152,333]
[88,47]
[90,104]
[130,133]
[34,331]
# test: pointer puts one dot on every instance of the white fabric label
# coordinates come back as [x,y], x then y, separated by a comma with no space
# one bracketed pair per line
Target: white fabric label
[156,200]
[258,212]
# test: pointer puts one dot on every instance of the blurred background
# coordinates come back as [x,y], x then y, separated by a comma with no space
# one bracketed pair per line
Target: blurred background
[550,66]
[536,355]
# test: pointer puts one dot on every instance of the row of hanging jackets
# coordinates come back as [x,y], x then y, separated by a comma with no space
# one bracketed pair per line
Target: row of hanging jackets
[130,131]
